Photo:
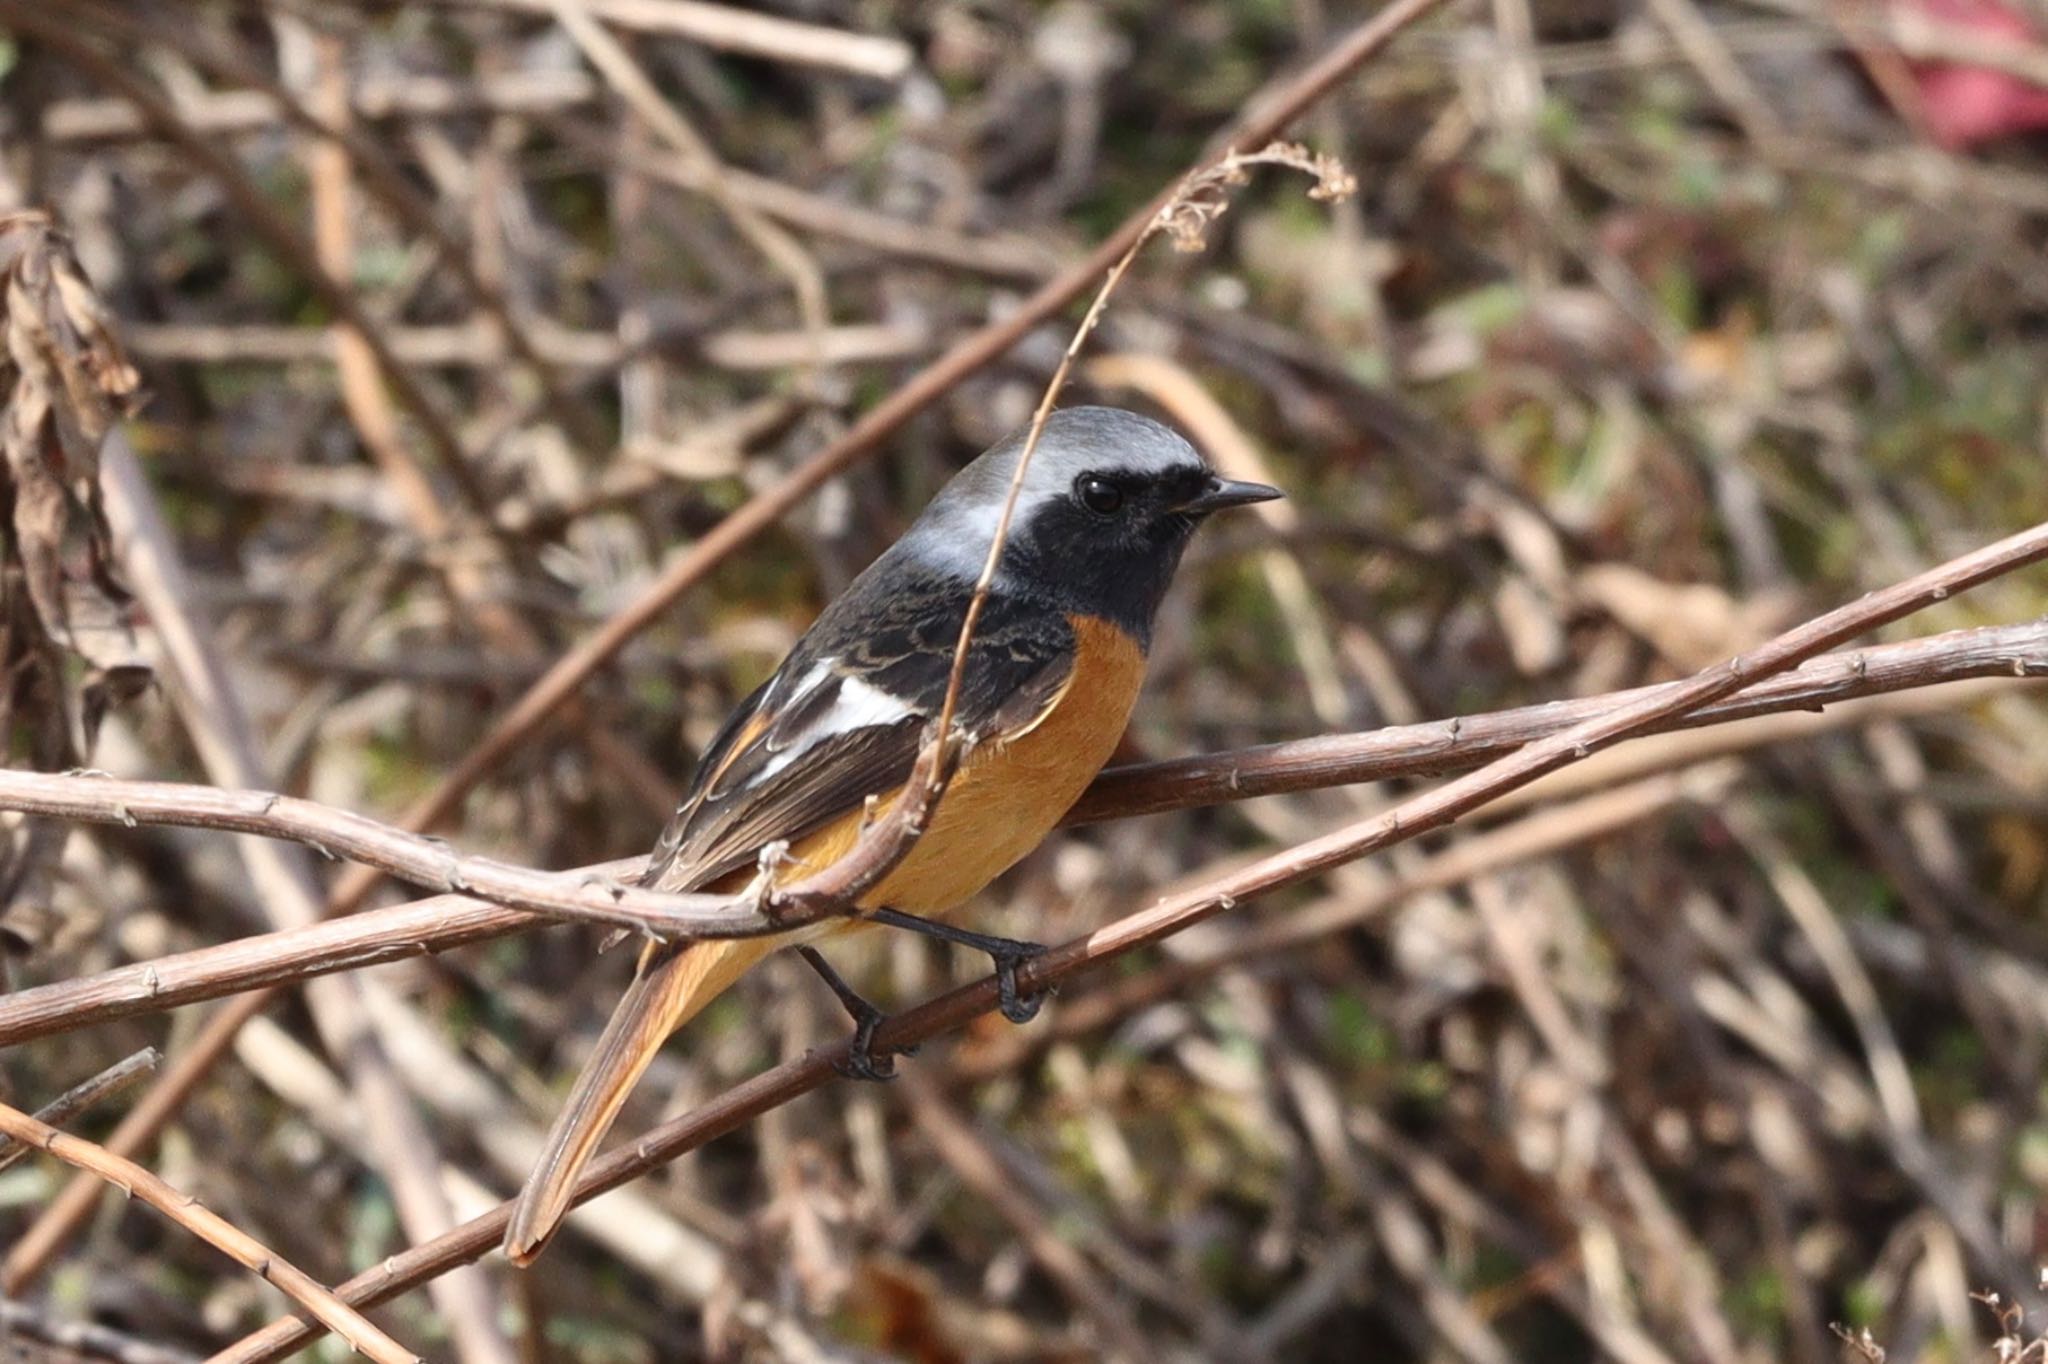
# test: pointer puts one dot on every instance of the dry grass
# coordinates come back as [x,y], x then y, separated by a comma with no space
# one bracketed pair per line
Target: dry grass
[515,385]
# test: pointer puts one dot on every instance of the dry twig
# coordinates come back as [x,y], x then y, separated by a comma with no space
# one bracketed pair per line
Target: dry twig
[84,1095]
[210,1227]
[1434,748]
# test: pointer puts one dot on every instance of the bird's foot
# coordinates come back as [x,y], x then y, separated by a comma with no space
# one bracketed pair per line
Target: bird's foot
[861,1061]
[1007,954]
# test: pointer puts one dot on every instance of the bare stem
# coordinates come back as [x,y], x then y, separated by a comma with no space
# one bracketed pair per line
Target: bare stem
[1438,747]
[84,1095]
[212,1228]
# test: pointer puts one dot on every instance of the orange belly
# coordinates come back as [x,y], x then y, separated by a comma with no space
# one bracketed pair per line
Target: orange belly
[1007,796]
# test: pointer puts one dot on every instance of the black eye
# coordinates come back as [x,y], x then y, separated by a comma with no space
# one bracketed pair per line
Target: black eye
[1098,495]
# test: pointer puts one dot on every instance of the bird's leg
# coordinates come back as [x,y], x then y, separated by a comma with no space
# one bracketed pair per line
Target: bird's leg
[861,1063]
[1007,954]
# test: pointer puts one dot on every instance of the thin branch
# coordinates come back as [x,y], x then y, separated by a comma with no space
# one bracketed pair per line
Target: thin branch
[1542,833]
[34,1321]
[477,345]
[375,96]
[421,860]
[1007,255]
[215,1230]
[332,206]
[58,1222]
[84,1095]
[1436,748]
[1176,913]
[1440,747]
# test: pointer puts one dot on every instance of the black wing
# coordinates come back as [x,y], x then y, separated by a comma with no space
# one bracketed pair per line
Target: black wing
[842,718]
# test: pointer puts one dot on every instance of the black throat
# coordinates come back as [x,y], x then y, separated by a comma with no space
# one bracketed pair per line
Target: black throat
[1062,558]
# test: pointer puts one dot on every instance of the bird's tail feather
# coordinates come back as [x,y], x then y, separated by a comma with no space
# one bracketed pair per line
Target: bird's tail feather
[673,984]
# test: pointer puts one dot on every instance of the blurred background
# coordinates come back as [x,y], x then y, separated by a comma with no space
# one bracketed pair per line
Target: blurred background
[1655,326]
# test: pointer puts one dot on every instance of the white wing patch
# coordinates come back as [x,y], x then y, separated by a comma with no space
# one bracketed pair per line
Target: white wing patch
[858,705]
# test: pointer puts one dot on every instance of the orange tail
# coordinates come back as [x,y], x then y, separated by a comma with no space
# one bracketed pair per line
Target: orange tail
[673,984]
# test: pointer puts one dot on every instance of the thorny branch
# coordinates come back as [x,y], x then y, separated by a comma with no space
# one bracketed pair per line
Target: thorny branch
[1436,748]
[427,862]
[83,1095]
[209,1226]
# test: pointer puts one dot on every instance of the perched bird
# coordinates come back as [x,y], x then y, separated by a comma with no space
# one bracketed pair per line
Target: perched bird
[1108,503]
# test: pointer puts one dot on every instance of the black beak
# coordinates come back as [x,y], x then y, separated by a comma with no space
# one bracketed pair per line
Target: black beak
[1227,492]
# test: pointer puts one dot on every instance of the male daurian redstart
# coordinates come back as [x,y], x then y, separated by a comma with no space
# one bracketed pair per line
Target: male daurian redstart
[1108,503]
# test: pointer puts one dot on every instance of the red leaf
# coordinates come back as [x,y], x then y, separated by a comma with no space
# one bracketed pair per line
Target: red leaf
[1962,105]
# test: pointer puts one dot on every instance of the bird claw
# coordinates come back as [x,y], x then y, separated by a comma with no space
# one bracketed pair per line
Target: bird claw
[1010,1001]
[860,1061]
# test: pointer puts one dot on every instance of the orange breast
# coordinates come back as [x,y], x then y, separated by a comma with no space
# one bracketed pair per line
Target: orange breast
[1007,796]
